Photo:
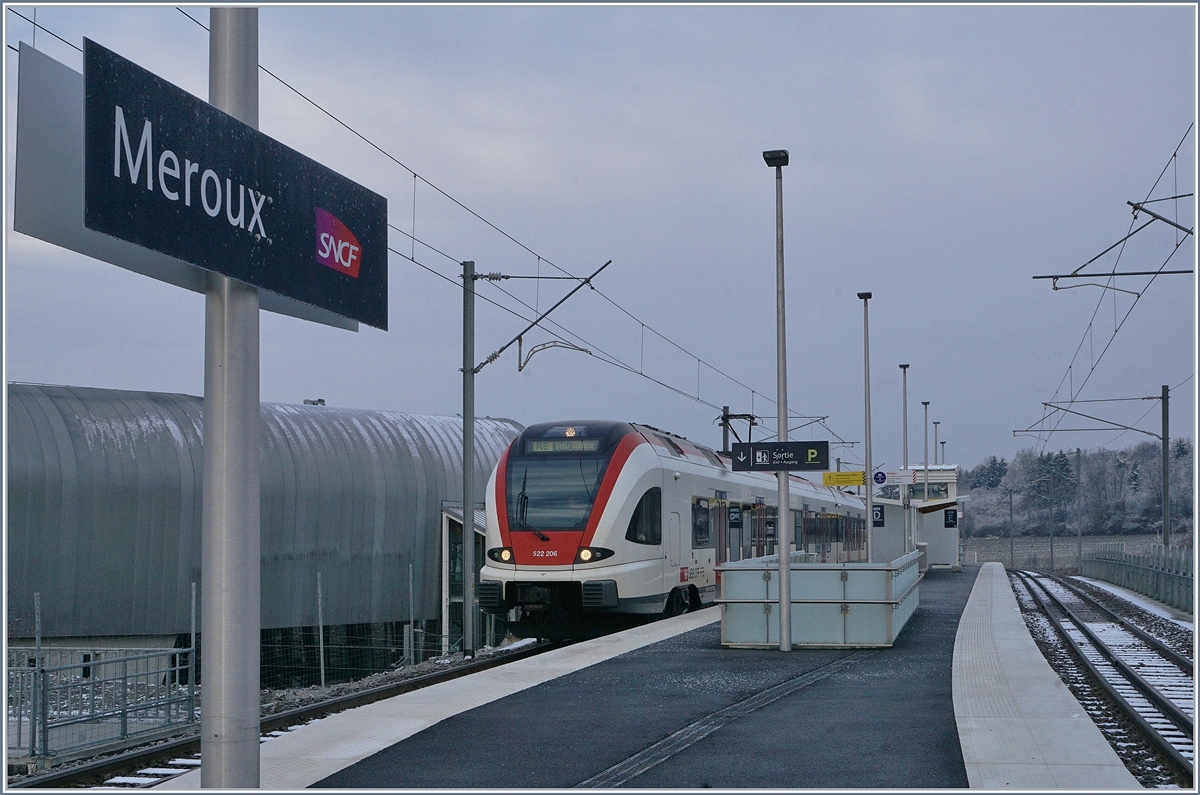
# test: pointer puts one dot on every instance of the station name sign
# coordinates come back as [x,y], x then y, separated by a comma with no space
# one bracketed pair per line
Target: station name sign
[167,171]
[780,456]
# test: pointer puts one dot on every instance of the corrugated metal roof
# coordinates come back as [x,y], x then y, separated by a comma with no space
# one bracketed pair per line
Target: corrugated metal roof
[455,512]
[104,509]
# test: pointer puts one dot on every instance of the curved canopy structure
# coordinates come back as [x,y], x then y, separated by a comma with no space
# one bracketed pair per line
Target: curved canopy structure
[104,509]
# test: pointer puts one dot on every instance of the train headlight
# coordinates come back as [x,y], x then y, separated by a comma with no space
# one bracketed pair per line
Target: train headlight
[592,554]
[501,554]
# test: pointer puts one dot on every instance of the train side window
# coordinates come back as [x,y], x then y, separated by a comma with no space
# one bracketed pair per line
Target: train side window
[646,525]
[701,524]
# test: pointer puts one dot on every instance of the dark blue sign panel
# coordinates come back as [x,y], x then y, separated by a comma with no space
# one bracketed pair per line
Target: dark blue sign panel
[780,456]
[877,516]
[169,172]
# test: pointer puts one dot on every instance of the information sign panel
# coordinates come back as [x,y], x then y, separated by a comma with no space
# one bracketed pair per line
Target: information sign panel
[167,171]
[780,456]
[877,516]
[844,478]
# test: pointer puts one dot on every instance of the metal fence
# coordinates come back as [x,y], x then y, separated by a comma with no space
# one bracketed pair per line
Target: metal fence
[64,703]
[322,656]
[1164,574]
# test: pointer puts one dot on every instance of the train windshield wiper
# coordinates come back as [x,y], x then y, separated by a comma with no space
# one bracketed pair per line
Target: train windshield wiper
[523,510]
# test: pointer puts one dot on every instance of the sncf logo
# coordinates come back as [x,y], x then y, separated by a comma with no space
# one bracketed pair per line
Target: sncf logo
[337,247]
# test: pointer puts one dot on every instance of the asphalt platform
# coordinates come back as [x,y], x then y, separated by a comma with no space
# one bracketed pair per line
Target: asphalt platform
[685,713]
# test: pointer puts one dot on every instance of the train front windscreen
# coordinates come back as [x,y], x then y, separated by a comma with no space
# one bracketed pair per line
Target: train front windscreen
[554,473]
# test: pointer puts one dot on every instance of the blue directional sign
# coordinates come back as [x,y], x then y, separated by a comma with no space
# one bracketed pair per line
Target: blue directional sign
[780,456]
[167,171]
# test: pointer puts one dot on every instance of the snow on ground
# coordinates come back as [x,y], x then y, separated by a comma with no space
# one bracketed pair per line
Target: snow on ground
[1144,602]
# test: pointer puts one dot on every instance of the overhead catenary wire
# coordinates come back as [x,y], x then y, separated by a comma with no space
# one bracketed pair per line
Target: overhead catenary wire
[411,257]
[1118,323]
[540,259]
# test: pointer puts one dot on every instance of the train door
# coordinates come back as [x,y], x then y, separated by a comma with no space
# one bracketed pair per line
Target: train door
[673,540]
[721,531]
[758,531]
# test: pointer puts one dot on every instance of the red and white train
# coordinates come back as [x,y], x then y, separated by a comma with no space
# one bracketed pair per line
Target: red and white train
[595,524]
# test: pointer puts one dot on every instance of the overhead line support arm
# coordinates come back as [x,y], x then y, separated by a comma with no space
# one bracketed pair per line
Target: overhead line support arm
[583,282]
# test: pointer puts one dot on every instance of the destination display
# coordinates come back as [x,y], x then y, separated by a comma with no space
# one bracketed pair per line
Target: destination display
[780,456]
[167,171]
[562,445]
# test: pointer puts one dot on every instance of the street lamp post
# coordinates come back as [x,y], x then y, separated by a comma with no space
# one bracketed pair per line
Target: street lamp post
[904,487]
[777,159]
[925,492]
[868,482]
[936,423]
[943,453]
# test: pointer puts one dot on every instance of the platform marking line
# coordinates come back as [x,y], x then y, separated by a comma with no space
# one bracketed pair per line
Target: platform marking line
[696,731]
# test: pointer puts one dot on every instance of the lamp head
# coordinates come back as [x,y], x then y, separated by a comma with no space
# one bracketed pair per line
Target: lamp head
[776,157]
[864,296]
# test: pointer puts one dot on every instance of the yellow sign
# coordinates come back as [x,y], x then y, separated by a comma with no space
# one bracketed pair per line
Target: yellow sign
[845,478]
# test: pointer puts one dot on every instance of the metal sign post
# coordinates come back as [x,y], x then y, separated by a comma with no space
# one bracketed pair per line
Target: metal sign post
[230,567]
[191,193]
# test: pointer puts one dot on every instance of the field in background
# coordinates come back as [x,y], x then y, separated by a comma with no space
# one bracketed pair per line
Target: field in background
[1034,552]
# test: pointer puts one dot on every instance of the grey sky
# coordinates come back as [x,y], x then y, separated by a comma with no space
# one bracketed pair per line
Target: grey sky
[941,157]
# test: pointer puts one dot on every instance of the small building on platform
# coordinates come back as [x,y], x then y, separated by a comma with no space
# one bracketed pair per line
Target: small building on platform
[933,522]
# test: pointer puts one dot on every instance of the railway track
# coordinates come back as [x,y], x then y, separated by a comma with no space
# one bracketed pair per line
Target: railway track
[142,767]
[1150,682]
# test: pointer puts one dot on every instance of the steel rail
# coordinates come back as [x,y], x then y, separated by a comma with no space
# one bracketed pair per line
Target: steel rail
[1143,635]
[1152,733]
[1168,707]
[82,773]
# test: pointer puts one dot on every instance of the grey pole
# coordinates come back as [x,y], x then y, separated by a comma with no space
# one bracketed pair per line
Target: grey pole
[230,619]
[783,524]
[725,429]
[1079,508]
[192,662]
[1166,473]
[320,630]
[1052,520]
[869,482]
[468,484]
[943,453]
[904,487]
[936,423]
[1011,563]
[925,494]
